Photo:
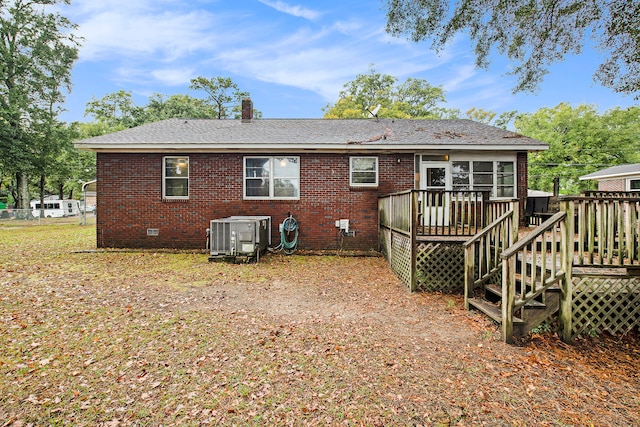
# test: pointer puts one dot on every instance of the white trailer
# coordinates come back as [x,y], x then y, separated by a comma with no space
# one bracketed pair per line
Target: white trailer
[55,208]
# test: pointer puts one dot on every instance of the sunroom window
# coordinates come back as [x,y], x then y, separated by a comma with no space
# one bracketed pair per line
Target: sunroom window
[175,177]
[496,177]
[460,176]
[483,177]
[505,181]
[268,177]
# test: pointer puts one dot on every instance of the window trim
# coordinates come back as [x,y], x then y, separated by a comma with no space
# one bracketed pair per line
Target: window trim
[165,178]
[272,178]
[494,173]
[366,184]
[630,181]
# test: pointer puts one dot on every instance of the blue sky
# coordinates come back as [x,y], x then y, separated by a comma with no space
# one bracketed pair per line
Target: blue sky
[293,56]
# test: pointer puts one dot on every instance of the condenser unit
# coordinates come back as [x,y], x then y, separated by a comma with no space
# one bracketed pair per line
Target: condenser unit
[239,238]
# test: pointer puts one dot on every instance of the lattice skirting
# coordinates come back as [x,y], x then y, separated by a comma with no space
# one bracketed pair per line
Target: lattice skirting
[605,304]
[401,257]
[396,248]
[440,267]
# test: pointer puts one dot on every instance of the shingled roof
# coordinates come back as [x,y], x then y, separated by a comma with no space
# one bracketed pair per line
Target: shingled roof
[614,172]
[297,135]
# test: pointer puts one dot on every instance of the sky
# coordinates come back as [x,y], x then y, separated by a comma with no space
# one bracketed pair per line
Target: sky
[292,56]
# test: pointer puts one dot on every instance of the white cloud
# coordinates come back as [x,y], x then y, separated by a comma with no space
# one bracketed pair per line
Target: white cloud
[151,43]
[113,34]
[297,11]
[349,27]
[315,69]
[461,78]
[174,76]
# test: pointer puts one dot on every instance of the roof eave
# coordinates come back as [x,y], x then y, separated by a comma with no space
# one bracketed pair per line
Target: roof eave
[296,148]
[610,176]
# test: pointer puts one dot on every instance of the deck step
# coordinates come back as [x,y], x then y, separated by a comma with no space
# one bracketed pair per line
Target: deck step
[494,294]
[493,311]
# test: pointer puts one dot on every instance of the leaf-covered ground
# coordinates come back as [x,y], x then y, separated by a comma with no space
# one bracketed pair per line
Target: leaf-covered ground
[116,338]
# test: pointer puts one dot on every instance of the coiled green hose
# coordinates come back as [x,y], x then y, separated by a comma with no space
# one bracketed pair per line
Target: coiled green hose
[289,226]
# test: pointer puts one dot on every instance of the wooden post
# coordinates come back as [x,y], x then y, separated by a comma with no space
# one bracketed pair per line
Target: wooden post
[391,220]
[380,210]
[515,222]
[508,297]
[469,277]
[566,287]
[414,244]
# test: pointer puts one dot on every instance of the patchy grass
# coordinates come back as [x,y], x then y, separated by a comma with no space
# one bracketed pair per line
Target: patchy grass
[119,338]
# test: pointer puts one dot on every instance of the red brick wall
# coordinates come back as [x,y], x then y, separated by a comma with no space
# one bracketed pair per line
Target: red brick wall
[612,185]
[130,200]
[522,171]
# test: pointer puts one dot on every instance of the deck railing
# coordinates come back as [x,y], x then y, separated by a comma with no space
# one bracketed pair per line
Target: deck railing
[410,219]
[587,232]
[395,211]
[482,251]
[450,213]
[612,194]
[441,213]
[608,230]
[590,250]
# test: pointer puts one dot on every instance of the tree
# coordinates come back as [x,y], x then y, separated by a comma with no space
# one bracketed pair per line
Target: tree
[581,141]
[37,51]
[116,110]
[491,118]
[414,98]
[221,92]
[177,106]
[532,34]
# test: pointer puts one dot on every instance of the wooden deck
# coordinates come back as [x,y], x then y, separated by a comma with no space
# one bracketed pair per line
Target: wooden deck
[580,266]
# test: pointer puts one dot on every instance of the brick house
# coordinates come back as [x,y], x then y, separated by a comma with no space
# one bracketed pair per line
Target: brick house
[616,178]
[161,183]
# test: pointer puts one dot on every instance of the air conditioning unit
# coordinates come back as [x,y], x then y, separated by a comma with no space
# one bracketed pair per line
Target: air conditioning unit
[239,238]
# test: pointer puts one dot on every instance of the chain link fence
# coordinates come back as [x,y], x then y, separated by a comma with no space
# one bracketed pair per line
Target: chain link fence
[24,217]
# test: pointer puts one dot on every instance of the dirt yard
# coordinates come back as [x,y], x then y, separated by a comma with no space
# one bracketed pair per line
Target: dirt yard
[117,338]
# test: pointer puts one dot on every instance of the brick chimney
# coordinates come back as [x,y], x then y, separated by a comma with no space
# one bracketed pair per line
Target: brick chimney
[247,110]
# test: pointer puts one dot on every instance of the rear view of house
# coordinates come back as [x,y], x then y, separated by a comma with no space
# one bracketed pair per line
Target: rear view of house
[160,184]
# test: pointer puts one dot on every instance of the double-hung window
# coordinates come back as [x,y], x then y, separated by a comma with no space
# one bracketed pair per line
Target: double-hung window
[363,171]
[175,177]
[496,177]
[268,177]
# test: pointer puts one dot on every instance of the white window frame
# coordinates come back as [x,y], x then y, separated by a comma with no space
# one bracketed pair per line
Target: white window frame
[495,160]
[496,184]
[351,171]
[630,180]
[165,178]
[271,196]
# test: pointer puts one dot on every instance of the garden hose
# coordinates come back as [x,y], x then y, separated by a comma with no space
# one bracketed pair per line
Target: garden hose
[289,226]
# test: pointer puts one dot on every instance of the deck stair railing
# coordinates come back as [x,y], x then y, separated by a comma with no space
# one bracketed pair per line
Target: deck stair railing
[533,272]
[483,264]
[516,281]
